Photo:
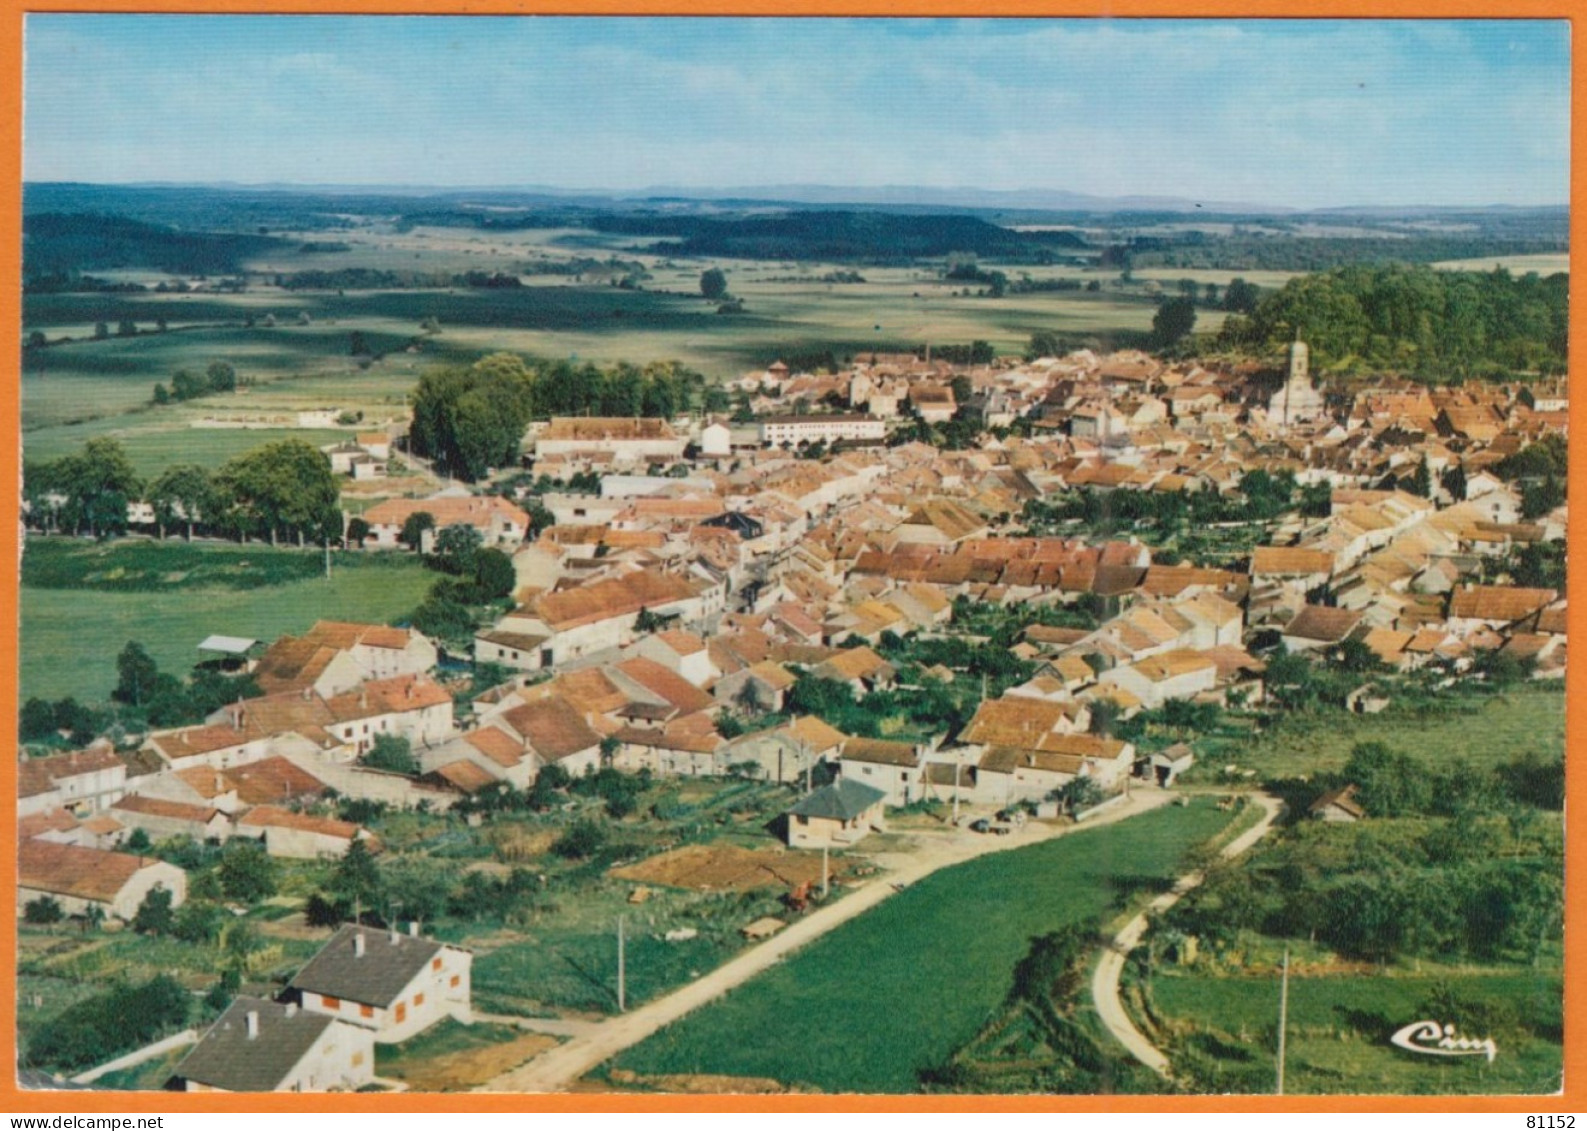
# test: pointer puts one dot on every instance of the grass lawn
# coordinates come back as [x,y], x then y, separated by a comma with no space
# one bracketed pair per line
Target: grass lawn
[150,1076]
[449,1056]
[1483,731]
[1339,1027]
[70,637]
[867,1006]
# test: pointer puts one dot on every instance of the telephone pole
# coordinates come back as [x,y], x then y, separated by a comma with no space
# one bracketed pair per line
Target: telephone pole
[1283,1018]
[826,883]
[621,973]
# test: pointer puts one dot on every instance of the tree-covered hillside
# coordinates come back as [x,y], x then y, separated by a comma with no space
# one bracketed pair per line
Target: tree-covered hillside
[1436,324]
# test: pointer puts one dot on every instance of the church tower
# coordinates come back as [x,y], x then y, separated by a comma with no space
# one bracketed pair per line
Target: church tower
[1297,400]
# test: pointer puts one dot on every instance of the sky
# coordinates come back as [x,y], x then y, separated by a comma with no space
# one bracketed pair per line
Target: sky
[1294,113]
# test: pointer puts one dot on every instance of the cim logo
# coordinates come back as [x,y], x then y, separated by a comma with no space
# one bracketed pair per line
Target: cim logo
[1440,1040]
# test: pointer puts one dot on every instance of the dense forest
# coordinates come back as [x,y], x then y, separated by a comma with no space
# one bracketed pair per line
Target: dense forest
[837,235]
[55,243]
[1414,320]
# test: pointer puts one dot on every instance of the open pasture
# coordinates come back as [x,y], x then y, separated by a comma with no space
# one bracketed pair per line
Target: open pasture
[869,1005]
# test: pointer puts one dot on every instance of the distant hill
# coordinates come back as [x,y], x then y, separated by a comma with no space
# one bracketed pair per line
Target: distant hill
[59,243]
[837,235]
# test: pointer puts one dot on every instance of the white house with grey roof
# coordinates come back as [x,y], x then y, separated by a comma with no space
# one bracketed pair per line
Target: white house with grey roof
[391,983]
[836,815]
[267,1046]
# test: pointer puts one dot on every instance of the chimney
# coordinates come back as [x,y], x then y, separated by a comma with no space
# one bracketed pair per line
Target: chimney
[413,928]
[292,1009]
[253,1024]
[394,935]
[306,692]
[358,945]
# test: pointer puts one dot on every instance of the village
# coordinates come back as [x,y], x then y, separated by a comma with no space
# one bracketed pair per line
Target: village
[911,607]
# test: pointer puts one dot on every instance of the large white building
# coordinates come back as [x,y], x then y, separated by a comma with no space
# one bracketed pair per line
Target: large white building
[789,431]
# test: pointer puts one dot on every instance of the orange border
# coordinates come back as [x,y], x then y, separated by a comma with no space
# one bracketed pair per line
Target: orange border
[1575,1045]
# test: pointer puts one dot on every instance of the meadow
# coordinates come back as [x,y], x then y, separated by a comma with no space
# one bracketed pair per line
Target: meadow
[1339,1025]
[868,1006]
[71,636]
[1485,731]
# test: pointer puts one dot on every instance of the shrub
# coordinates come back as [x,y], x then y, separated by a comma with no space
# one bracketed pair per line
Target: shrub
[583,839]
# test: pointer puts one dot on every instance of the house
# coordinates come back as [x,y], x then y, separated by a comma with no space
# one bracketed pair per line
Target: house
[1007,774]
[216,746]
[596,616]
[1338,805]
[892,767]
[1178,674]
[499,522]
[621,439]
[1317,626]
[836,815]
[336,656]
[392,984]
[681,652]
[940,522]
[266,1046]
[860,668]
[553,731]
[301,836]
[760,687]
[84,781]
[1495,606]
[162,819]
[80,878]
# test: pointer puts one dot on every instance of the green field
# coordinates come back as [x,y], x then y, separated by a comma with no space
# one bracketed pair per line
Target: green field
[1339,1026]
[70,637]
[153,447]
[866,1007]
[1483,731]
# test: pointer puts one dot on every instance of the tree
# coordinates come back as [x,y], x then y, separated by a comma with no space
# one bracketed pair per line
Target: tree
[414,526]
[1422,480]
[1043,343]
[221,376]
[357,532]
[713,283]
[393,753]
[97,482]
[36,721]
[1454,482]
[284,487]
[1540,498]
[494,574]
[471,420]
[154,915]
[1239,297]
[198,921]
[1079,794]
[161,395]
[583,839]
[247,873]
[136,671]
[1174,319]
[126,328]
[356,880]
[456,547]
[138,841]
[1105,715]
[43,911]
[101,330]
[357,346]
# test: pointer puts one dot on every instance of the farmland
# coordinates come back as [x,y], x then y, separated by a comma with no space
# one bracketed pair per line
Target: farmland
[864,1009]
[62,659]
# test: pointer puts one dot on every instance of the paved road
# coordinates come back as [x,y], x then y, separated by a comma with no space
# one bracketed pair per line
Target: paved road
[559,1067]
[1110,963]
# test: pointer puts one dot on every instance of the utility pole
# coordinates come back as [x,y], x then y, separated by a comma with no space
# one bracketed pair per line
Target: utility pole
[826,884]
[621,973]
[1283,1018]
[327,557]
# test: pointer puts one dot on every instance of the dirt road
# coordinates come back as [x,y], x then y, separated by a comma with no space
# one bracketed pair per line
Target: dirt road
[561,1066]
[1110,962]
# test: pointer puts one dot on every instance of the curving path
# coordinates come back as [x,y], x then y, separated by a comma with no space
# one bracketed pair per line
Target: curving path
[1110,962]
[557,1068]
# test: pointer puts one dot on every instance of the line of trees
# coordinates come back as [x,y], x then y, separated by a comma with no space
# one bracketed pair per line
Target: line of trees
[219,377]
[283,489]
